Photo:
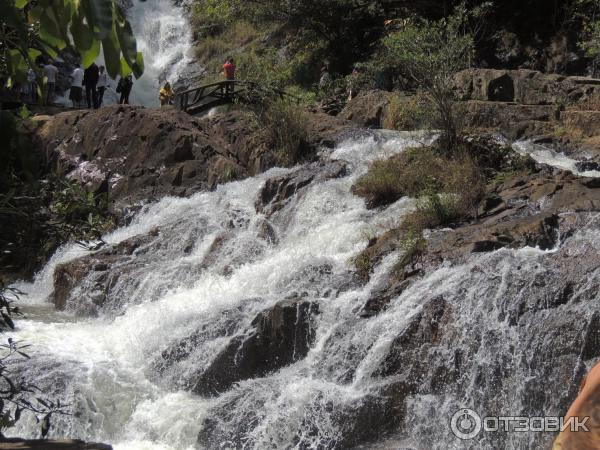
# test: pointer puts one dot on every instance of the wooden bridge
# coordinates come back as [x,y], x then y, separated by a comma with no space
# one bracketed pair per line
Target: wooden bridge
[196,100]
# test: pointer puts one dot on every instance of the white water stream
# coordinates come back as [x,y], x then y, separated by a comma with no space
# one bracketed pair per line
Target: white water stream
[102,365]
[164,36]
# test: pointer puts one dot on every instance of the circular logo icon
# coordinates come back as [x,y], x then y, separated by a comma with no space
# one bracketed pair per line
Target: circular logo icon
[465,424]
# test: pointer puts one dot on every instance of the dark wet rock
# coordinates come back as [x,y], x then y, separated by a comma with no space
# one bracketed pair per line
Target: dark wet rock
[545,323]
[423,330]
[277,191]
[101,271]
[50,444]
[381,298]
[584,166]
[281,335]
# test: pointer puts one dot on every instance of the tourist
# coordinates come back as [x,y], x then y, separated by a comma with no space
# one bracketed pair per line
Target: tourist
[75,95]
[102,84]
[229,72]
[325,79]
[32,85]
[166,95]
[29,88]
[50,72]
[124,87]
[353,83]
[90,80]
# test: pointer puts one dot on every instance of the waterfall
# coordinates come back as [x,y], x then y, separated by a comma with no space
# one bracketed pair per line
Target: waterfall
[108,365]
[164,37]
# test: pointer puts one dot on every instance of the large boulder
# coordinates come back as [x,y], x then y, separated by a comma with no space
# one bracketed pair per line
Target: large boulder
[277,337]
[140,154]
[527,87]
[367,109]
[101,272]
[277,191]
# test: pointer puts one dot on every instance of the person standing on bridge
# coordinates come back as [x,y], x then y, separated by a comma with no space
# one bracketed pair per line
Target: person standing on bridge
[102,84]
[50,72]
[75,93]
[124,88]
[229,71]
[166,95]
[90,81]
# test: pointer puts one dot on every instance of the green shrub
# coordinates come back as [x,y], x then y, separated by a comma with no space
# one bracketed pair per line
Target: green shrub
[408,113]
[429,54]
[408,174]
[285,126]
[81,214]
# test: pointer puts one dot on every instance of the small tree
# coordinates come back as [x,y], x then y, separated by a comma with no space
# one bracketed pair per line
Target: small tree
[430,53]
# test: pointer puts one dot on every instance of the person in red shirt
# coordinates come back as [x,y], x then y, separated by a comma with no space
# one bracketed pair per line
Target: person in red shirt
[229,71]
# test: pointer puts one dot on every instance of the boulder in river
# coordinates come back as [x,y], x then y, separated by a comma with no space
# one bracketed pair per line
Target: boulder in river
[280,336]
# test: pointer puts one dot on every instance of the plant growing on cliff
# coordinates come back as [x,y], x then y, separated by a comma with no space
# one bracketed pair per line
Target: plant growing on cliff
[430,53]
[78,214]
[33,28]
[284,124]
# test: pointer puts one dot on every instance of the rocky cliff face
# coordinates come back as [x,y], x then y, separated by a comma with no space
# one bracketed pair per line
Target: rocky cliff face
[137,154]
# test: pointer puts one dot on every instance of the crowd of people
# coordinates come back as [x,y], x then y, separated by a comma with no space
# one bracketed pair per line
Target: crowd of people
[88,86]
[95,81]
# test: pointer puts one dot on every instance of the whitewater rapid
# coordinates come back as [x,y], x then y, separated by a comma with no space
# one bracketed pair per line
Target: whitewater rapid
[164,37]
[105,365]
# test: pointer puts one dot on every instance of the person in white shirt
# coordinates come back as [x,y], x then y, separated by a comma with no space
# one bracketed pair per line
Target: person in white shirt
[102,84]
[29,88]
[50,73]
[76,86]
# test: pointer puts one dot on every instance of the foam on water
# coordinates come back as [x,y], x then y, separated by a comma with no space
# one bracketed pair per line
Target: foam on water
[105,362]
[548,156]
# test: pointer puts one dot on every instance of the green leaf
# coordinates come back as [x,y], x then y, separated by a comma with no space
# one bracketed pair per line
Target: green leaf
[50,32]
[21,3]
[83,36]
[138,66]
[125,68]
[90,55]
[112,56]
[126,40]
[33,53]
[99,14]
[24,113]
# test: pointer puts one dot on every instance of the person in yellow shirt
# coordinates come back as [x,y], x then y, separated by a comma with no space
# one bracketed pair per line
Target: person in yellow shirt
[166,94]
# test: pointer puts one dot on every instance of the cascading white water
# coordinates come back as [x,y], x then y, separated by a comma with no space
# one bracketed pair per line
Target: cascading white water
[164,37]
[106,366]
[545,155]
[103,365]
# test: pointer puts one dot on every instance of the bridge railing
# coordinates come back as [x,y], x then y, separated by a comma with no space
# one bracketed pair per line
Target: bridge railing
[191,100]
